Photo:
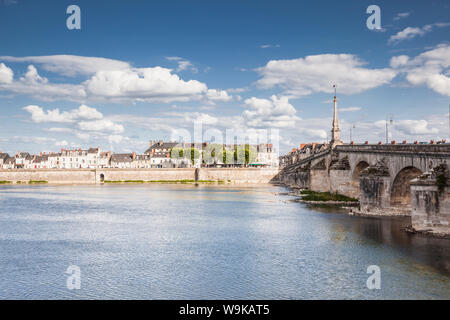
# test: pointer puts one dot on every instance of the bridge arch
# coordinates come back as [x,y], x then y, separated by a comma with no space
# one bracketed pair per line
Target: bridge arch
[401,189]
[357,170]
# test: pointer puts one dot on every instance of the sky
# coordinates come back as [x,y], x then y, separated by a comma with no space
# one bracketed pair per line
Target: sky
[155,70]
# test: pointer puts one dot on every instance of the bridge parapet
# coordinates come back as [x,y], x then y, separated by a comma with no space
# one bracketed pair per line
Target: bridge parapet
[443,148]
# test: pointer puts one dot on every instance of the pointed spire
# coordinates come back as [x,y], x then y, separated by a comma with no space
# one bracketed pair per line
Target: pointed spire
[335,131]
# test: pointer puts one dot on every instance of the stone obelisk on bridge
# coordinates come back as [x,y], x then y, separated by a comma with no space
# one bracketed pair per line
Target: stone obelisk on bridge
[335,131]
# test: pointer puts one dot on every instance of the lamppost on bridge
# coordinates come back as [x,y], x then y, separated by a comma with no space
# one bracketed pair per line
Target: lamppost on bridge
[389,121]
[351,127]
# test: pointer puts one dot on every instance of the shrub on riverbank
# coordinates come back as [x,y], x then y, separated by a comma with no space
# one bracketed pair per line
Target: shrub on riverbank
[37,181]
[308,195]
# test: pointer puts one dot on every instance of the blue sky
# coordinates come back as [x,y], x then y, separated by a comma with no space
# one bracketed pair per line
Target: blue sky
[141,70]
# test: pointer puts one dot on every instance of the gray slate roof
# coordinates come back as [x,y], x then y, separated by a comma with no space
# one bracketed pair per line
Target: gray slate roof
[10,160]
[4,156]
[122,157]
[165,145]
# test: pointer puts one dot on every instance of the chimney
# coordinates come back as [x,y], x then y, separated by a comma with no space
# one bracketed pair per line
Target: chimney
[40,154]
[416,142]
[134,155]
[432,142]
[352,143]
[393,142]
[367,142]
[379,142]
[404,142]
[160,143]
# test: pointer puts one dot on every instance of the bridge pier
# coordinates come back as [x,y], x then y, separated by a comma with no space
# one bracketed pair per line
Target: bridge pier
[341,179]
[430,198]
[375,189]
[319,177]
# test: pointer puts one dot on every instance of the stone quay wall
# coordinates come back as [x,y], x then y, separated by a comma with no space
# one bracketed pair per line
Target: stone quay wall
[238,175]
[63,176]
[92,176]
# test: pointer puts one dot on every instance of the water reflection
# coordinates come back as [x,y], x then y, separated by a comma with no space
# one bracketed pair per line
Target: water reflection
[389,231]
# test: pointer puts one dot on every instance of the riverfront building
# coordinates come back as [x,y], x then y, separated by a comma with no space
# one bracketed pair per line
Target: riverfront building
[160,154]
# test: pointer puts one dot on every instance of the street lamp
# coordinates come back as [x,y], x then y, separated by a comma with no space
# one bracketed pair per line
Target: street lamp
[389,121]
[351,127]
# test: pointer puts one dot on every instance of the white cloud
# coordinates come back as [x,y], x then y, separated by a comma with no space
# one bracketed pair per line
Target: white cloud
[399,61]
[39,87]
[276,112]
[218,95]
[401,15]
[318,73]
[62,143]
[103,125]
[59,130]
[412,32]
[27,139]
[314,133]
[265,46]
[83,136]
[144,84]
[108,81]
[206,119]
[429,68]
[6,74]
[32,76]
[70,65]
[349,109]
[183,64]
[116,139]
[179,119]
[81,113]
[415,127]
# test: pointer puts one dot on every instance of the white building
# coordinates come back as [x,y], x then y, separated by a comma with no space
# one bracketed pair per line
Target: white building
[3,157]
[41,162]
[9,162]
[267,156]
[24,160]
[122,160]
[104,160]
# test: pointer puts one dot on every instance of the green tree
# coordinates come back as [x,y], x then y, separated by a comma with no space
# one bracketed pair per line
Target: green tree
[191,154]
[245,154]
[213,154]
[177,153]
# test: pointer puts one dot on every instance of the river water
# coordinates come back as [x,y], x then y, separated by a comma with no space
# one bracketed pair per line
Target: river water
[162,241]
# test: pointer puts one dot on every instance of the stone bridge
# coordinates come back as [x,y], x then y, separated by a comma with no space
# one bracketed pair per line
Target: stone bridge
[379,175]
